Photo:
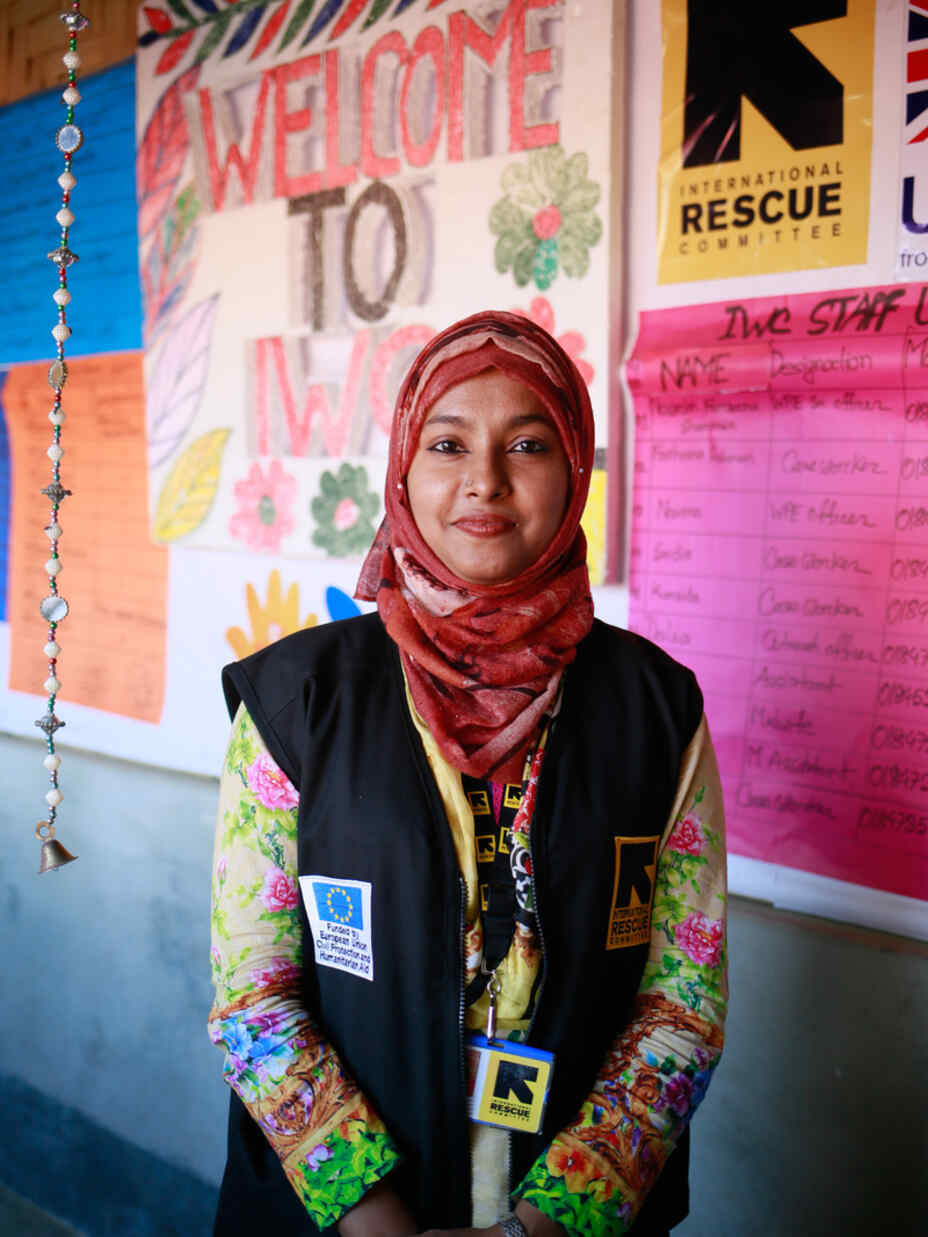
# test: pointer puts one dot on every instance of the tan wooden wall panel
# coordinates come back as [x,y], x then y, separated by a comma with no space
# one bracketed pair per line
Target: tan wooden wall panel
[33,39]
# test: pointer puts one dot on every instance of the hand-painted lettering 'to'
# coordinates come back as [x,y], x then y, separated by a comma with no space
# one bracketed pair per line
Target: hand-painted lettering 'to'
[361,247]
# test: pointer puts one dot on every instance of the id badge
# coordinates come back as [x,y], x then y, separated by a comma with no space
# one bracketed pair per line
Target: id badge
[508,1083]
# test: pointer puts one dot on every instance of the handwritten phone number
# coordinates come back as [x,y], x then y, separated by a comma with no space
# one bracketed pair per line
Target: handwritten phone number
[899,739]
[887,820]
[907,610]
[898,777]
[892,694]
[905,655]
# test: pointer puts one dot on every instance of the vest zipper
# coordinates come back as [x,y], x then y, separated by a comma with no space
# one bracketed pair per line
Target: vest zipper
[440,819]
[462,923]
[462,1007]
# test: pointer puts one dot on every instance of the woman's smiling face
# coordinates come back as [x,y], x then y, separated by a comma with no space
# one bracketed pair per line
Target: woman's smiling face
[489,482]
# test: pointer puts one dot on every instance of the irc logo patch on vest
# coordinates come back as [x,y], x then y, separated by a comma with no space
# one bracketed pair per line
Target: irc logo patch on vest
[339,914]
[632,892]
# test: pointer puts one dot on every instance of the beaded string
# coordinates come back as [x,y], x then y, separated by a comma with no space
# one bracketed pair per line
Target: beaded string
[53,607]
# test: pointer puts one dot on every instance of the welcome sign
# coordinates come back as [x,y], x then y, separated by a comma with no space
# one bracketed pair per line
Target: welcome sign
[321,194]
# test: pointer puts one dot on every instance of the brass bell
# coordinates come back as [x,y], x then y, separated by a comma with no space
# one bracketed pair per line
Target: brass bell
[54,854]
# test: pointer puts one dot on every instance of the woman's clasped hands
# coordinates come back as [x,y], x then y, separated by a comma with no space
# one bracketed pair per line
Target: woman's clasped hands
[382,1213]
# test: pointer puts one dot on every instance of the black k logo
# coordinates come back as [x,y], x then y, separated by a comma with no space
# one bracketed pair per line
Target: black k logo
[513,1079]
[736,50]
[637,857]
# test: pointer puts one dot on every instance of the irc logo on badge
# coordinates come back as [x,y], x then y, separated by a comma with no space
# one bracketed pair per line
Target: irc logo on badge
[338,905]
[512,1082]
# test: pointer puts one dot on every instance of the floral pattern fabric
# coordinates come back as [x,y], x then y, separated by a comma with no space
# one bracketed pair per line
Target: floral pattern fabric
[596,1173]
[332,1144]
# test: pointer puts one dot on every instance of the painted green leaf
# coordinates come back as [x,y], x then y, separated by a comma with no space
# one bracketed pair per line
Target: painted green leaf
[580,197]
[505,216]
[214,35]
[516,182]
[295,24]
[176,6]
[523,263]
[575,257]
[505,251]
[583,227]
[377,9]
[548,168]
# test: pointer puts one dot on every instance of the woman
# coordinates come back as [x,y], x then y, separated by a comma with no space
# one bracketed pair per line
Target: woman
[508,822]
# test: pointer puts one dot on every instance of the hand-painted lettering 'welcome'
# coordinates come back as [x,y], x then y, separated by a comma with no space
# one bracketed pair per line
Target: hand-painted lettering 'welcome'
[372,113]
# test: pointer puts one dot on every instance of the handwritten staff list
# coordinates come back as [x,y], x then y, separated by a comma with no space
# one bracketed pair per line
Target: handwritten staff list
[780,549]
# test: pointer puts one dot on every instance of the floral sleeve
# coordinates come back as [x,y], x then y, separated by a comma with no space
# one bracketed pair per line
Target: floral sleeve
[332,1144]
[596,1173]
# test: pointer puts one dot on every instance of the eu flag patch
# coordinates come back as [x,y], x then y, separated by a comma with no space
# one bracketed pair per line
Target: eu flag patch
[338,905]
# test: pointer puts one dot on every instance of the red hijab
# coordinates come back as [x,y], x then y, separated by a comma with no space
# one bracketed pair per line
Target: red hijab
[484,662]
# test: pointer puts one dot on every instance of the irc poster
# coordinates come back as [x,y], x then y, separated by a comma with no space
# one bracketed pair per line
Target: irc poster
[766,121]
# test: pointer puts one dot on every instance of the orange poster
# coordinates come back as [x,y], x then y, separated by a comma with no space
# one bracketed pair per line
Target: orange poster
[114,577]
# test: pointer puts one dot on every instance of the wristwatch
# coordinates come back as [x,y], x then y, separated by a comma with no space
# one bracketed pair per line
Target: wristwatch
[512,1226]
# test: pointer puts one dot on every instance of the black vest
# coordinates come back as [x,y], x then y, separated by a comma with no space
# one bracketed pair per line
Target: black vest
[330,704]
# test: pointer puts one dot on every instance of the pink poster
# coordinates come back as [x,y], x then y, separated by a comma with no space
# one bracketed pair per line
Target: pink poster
[780,548]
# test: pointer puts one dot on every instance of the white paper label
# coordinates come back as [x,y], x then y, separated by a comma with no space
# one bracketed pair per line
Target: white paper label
[339,913]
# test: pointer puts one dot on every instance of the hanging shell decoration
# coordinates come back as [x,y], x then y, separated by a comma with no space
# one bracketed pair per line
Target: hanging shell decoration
[53,607]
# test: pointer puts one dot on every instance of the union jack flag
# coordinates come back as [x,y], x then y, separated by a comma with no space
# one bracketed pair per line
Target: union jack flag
[916,84]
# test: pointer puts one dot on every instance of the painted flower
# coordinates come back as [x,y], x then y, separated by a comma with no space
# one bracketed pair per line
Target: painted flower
[279,971]
[280,891]
[265,503]
[545,223]
[222,867]
[319,1154]
[279,616]
[700,938]
[344,511]
[677,1095]
[573,1166]
[271,785]
[573,343]
[687,837]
